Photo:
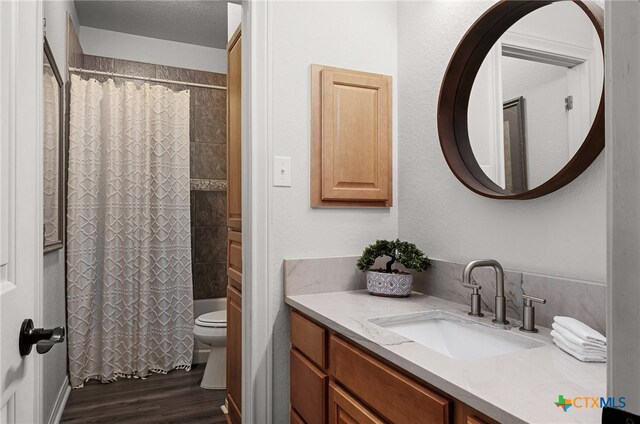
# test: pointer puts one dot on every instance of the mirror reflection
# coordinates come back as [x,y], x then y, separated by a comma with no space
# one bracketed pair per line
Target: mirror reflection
[535,97]
[52,149]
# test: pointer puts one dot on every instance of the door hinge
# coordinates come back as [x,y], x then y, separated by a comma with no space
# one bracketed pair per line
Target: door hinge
[568,103]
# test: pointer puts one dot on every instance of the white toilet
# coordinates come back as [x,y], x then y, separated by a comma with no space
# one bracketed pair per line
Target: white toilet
[211,329]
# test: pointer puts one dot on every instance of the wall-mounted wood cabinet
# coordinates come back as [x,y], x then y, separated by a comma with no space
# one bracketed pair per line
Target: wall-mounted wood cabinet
[351,138]
[336,382]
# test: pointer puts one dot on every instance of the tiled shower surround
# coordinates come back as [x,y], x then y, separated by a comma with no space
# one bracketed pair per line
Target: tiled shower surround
[208,158]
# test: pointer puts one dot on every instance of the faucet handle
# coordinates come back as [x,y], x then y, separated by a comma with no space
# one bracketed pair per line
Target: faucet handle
[475,287]
[529,313]
[528,300]
[475,300]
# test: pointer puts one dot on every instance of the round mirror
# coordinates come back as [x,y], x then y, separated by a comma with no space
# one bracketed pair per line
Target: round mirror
[521,106]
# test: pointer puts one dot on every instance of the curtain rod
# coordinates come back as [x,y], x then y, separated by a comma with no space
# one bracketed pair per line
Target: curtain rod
[115,75]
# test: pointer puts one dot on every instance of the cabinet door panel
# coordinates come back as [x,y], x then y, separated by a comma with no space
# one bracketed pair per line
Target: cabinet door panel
[308,338]
[308,389]
[234,132]
[344,409]
[234,259]
[393,395]
[355,136]
[295,418]
[234,353]
[351,138]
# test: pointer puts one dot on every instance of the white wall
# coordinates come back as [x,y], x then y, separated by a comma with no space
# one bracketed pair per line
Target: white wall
[562,234]
[623,160]
[355,35]
[55,12]
[118,45]
[234,18]
[54,304]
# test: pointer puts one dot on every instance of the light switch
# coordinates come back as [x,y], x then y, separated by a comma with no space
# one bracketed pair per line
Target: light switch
[281,171]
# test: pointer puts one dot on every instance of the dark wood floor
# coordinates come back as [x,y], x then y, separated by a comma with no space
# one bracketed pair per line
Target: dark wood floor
[160,399]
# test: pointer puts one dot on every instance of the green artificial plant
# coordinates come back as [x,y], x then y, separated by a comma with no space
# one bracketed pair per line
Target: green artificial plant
[403,252]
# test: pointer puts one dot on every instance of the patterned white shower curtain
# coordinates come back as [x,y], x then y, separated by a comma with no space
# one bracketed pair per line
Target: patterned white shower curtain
[129,292]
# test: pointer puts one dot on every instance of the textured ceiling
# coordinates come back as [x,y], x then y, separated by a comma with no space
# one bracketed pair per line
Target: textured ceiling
[202,23]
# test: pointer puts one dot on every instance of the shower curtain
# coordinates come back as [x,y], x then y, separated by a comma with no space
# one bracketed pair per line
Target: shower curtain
[129,291]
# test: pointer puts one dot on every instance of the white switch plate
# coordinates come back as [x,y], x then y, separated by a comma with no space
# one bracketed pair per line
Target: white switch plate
[281,171]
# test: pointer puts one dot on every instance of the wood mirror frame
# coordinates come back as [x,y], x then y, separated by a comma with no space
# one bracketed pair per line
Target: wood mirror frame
[456,90]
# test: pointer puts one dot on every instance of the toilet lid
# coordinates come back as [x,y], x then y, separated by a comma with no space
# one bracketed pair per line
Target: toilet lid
[217,319]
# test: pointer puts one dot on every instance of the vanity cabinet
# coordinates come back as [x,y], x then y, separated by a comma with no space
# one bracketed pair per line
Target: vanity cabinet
[335,382]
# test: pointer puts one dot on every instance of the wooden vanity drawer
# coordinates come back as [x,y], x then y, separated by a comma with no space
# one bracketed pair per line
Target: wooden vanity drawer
[309,338]
[308,389]
[392,395]
[344,409]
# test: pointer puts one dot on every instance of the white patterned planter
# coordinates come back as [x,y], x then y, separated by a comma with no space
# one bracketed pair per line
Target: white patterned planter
[389,285]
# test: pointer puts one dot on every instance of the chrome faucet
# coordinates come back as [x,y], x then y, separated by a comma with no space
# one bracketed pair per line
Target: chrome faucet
[501,304]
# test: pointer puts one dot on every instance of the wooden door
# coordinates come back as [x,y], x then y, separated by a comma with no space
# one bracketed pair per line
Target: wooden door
[21,241]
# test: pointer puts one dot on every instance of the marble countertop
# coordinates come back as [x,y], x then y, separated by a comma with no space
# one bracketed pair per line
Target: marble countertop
[515,387]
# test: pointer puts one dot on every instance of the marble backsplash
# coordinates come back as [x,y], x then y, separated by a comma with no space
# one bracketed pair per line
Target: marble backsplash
[582,300]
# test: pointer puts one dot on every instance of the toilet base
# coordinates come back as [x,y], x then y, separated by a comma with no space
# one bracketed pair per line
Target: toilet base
[215,373]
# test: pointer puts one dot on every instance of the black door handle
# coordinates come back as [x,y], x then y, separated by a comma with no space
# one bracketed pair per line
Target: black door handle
[43,338]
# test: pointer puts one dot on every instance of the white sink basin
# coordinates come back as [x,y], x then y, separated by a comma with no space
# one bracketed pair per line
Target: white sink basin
[456,337]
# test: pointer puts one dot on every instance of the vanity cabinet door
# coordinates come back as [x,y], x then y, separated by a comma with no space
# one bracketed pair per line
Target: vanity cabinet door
[295,418]
[308,389]
[394,396]
[464,414]
[344,409]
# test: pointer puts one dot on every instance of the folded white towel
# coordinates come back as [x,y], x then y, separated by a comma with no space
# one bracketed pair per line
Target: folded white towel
[581,329]
[581,357]
[573,338]
[585,350]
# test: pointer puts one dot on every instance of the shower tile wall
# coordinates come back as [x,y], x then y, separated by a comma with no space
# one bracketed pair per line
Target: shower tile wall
[208,157]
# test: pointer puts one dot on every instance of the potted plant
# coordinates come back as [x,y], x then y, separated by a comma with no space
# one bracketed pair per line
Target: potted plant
[391,282]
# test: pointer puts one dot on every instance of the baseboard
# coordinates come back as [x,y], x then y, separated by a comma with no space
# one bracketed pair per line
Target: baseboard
[200,356]
[61,401]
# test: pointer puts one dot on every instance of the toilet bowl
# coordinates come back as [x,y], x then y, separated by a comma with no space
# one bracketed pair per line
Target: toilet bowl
[211,329]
